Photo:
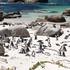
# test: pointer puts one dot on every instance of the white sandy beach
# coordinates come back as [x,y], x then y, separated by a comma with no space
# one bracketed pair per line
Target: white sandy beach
[22,62]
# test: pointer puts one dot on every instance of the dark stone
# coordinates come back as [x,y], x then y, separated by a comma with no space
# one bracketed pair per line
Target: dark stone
[55,18]
[13,15]
[66,12]
[5,23]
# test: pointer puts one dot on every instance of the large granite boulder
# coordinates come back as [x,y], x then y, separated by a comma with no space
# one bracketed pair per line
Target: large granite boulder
[49,30]
[16,31]
[55,18]
[66,12]
[20,32]
[13,15]
[5,33]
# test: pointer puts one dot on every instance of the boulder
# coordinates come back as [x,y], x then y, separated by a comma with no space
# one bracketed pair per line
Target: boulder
[55,18]
[20,32]
[5,32]
[6,23]
[15,31]
[13,15]
[49,30]
[66,12]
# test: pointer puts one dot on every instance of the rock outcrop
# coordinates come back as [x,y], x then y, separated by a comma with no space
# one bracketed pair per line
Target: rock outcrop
[15,31]
[49,30]
[66,12]
[13,15]
[55,18]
